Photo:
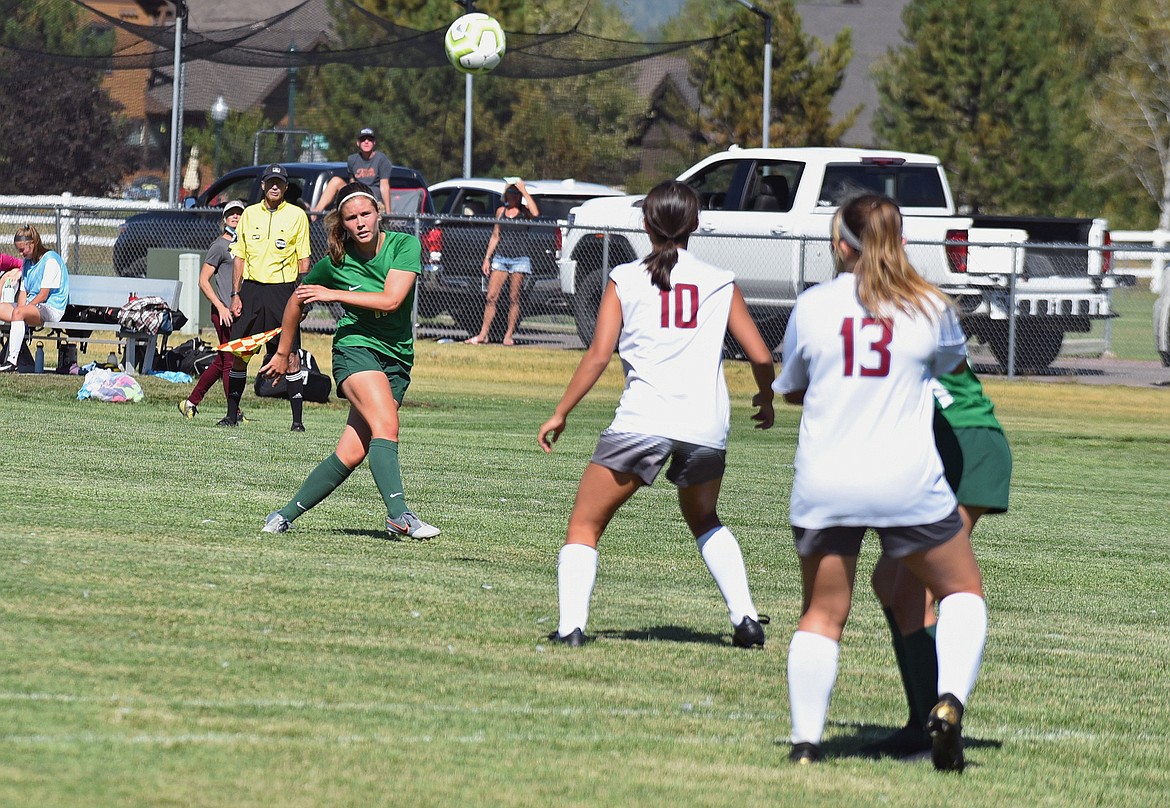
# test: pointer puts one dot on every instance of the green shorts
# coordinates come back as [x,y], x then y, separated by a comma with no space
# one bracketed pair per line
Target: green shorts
[351,359]
[978,464]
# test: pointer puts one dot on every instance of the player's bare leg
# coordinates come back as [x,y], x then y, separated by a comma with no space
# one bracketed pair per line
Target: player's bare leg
[601,492]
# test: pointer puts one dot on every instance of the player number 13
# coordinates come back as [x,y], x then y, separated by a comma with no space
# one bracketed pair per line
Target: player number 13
[875,358]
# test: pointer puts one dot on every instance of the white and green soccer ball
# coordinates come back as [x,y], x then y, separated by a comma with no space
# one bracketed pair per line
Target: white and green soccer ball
[474,43]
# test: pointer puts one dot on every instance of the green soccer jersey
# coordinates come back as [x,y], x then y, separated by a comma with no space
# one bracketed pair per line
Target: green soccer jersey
[387,332]
[959,396]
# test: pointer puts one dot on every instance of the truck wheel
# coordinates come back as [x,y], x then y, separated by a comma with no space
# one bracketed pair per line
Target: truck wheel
[585,303]
[1037,345]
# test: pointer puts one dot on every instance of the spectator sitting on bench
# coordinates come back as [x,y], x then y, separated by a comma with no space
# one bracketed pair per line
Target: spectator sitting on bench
[42,296]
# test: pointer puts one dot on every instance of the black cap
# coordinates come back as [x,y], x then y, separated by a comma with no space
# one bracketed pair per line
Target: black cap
[276,171]
[367,132]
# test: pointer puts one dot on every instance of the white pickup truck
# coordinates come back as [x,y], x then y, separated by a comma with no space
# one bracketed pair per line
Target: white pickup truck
[766,216]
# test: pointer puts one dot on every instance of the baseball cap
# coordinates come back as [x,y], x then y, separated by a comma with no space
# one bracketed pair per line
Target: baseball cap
[367,132]
[275,170]
[234,205]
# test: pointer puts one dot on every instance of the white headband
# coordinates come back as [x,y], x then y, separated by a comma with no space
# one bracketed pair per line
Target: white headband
[847,235]
[357,193]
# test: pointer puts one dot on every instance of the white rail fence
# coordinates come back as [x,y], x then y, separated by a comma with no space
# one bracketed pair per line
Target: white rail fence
[1147,256]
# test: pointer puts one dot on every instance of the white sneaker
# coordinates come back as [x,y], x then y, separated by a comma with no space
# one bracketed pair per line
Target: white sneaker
[410,525]
[275,523]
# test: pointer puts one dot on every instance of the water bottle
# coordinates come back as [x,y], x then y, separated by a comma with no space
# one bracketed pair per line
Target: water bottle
[39,359]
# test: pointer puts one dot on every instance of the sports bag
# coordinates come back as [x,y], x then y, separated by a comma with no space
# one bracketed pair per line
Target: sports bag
[317,386]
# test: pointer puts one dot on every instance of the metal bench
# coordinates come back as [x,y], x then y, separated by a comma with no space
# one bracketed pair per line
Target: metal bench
[109,292]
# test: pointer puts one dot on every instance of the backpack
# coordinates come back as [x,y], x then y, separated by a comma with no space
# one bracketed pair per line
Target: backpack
[191,357]
[317,386]
[149,315]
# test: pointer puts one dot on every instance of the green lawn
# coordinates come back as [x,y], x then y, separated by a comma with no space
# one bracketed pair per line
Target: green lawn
[159,651]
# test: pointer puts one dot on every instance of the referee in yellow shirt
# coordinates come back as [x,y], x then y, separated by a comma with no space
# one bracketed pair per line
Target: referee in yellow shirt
[271,254]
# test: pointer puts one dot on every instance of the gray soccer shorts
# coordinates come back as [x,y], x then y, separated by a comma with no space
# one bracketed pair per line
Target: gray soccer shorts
[897,542]
[645,455]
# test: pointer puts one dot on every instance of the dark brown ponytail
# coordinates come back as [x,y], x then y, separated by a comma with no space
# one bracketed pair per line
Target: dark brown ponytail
[670,213]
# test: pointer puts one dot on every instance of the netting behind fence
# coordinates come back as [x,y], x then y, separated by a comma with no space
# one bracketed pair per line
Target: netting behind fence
[584,97]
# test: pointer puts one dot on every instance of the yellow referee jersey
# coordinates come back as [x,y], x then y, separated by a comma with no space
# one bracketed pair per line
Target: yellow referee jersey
[272,243]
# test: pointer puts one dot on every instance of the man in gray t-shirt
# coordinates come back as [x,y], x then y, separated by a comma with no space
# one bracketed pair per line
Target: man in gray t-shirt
[366,166]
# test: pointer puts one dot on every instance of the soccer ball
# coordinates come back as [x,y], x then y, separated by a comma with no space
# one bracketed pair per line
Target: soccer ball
[474,43]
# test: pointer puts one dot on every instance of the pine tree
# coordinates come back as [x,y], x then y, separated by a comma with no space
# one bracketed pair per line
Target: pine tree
[994,89]
[806,74]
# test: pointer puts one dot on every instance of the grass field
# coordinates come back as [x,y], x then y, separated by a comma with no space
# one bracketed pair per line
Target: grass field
[159,651]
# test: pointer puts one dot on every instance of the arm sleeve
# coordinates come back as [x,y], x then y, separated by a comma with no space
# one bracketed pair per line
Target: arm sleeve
[794,371]
[408,255]
[304,248]
[952,343]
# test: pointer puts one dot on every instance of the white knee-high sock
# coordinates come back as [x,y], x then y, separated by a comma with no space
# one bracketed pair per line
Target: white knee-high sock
[812,671]
[959,638]
[576,573]
[723,558]
[15,339]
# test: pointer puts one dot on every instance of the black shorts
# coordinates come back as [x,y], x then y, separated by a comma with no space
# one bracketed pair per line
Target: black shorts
[263,310]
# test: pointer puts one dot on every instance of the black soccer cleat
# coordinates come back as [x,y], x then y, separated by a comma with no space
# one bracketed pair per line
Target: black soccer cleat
[945,726]
[574,639]
[804,754]
[297,427]
[750,633]
[226,421]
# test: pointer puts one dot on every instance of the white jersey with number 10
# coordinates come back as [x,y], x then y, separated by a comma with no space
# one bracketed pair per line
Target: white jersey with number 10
[671,346]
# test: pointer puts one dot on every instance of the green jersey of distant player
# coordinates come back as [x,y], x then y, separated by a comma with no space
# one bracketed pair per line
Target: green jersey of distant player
[962,401]
[387,332]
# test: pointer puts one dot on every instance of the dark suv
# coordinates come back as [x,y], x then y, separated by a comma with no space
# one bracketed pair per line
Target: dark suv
[196,226]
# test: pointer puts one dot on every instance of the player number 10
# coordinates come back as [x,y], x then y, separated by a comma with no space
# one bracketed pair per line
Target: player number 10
[875,359]
[686,306]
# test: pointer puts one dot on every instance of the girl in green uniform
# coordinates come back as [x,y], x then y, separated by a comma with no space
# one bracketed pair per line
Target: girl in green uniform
[372,274]
[978,466]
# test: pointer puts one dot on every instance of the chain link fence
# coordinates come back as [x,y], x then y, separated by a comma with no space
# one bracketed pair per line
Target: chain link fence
[1041,303]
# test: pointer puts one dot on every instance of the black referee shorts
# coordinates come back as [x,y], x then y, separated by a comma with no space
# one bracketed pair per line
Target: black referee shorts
[263,310]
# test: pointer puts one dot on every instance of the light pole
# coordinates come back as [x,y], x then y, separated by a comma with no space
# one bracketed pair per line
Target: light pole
[468,97]
[292,100]
[767,67]
[219,113]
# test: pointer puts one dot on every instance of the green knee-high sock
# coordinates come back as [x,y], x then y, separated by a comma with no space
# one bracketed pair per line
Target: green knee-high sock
[922,663]
[899,644]
[388,475]
[320,483]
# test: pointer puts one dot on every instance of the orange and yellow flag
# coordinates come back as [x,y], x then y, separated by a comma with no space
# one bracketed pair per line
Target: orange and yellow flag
[247,347]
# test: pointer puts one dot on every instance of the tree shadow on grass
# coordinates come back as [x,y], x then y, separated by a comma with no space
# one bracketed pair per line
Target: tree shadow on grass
[667,634]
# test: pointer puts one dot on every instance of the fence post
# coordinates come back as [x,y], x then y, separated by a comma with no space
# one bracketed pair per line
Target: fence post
[63,229]
[414,306]
[1012,314]
[604,259]
[1158,265]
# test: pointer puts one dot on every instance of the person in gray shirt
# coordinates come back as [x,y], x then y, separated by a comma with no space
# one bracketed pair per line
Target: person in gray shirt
[215,281]
[367,166]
